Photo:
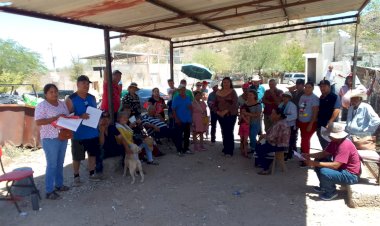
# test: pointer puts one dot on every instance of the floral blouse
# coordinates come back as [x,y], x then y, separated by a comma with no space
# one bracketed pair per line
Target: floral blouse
[133,103]
[279,134]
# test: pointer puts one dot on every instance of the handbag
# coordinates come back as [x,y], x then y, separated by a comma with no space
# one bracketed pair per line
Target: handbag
[65,134]
[364,143]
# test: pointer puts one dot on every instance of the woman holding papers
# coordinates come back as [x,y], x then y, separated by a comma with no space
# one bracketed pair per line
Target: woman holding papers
[47,112]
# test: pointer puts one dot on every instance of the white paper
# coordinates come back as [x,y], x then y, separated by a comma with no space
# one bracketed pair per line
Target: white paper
[95,114]
[299,156]
[69,123]
[262,141]
[132,119]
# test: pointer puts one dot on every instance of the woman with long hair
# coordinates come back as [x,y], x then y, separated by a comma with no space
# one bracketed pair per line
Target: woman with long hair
[47,112]
[227,109]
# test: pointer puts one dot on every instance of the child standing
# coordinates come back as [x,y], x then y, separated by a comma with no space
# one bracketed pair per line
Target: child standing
[244,120]
[200,121]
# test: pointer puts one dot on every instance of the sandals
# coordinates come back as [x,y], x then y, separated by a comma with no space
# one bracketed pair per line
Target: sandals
[52,196]
[62,188]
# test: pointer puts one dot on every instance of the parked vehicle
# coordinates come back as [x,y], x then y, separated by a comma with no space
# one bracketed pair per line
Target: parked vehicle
[144,95]
[293,77]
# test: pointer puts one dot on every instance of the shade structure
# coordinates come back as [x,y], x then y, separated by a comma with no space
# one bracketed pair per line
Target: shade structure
[196,71]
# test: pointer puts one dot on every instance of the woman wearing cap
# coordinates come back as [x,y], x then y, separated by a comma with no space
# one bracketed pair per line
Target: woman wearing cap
[47,112]
[158,102]
[290,110]
[226,104]
[276,140]
[132,101]
[362,120]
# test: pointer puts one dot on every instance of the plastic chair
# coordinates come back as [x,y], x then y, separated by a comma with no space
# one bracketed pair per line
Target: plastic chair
[15,176]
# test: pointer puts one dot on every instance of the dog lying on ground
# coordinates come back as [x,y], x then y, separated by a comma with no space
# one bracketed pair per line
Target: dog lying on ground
[133,163]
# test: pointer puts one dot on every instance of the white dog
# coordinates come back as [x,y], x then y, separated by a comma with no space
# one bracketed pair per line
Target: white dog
[133,162]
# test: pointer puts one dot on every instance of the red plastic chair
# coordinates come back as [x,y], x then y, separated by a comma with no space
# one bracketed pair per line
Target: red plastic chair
[12,177]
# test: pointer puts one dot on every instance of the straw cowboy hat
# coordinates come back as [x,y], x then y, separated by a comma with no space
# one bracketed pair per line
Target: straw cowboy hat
[358,93]
[287,93]
[214,83]
[335,130]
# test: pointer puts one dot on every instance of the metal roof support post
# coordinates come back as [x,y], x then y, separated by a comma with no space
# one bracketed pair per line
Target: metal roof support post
[354,64]
[171,55]
[107,50]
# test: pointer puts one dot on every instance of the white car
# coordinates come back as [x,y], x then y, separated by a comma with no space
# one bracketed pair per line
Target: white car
[293,77]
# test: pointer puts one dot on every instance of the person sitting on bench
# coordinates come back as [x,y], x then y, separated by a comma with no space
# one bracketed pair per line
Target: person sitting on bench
[344,168]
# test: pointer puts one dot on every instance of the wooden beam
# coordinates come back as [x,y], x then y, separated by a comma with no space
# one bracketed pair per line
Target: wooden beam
[184,14]
[365,3]
[284,10]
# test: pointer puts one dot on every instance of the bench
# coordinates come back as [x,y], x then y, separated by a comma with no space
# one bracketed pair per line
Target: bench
[370,156]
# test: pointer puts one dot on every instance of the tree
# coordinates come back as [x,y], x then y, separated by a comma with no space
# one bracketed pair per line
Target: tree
[76,68]
[18,63]
[217,62]
[252,55]
[292,59]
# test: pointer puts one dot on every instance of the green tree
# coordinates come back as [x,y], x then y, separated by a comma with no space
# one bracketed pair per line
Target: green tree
[76,68]
[292,59]
[18,63]
[259,54]
[217,62]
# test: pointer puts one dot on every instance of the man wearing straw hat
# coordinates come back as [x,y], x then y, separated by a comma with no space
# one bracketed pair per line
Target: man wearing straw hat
[344,168]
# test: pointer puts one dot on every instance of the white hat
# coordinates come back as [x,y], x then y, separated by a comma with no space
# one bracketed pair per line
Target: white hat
[256,78]
[181,86]
[335,130]
[287,93]
[214,83]
[358,93]
[290,84]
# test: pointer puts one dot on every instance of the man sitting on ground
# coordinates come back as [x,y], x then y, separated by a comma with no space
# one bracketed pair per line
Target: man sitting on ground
[344,168]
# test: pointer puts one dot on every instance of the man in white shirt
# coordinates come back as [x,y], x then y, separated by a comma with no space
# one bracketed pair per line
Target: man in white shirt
[330,76]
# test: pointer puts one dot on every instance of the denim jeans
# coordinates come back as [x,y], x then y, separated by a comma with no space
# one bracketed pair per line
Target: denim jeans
[329,177]
[99,161]
[227,124]
[254,130]
[148,152]
[55,151]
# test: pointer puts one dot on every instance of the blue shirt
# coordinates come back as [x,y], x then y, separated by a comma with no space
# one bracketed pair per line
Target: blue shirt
[182,106]
[362,121]
[80,106]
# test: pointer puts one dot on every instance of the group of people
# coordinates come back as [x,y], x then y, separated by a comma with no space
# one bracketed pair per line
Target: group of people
[283,114]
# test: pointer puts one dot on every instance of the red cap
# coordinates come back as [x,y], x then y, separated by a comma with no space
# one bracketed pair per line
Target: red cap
[205,82]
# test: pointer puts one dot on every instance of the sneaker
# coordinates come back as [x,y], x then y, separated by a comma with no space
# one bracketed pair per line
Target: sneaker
[95,177]
[180,154]
[189,152]
[318,189]
[62,188]
[152,163]
[327,197]
[52,195]
[77,182]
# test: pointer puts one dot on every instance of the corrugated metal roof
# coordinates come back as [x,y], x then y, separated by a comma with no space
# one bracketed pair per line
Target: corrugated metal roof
[170,19]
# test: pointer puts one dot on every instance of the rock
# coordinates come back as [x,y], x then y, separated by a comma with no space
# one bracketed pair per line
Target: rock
[363,195]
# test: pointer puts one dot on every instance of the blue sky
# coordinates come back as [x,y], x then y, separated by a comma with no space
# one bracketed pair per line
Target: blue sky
[38,35]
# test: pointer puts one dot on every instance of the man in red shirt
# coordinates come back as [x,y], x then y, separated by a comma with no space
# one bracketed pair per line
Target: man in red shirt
[345,165]
[272,98]
[116,77]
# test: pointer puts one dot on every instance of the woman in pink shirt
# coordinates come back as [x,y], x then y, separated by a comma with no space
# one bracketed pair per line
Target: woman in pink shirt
[47,112]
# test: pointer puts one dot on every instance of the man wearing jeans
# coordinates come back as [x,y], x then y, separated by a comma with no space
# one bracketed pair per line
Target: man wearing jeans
[345,166]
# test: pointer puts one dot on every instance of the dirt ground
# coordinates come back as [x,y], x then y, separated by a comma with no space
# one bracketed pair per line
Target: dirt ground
[200,189]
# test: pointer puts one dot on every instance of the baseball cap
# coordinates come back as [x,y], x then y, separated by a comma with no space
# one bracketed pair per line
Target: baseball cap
[181,86]
[116,72]
[83,78]
[300,81]
[324,82]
